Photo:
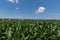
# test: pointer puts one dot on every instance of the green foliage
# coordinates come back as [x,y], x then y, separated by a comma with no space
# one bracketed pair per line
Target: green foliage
[29,30]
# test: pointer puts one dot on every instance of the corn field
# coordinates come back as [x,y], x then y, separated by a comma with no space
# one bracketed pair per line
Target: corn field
[29,29]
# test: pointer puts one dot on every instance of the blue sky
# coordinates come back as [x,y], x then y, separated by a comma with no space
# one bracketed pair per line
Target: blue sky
[30,9]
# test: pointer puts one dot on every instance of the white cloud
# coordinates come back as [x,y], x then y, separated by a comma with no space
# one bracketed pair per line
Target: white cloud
[40,10]
[17,8]
[17,1]
[13,1]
